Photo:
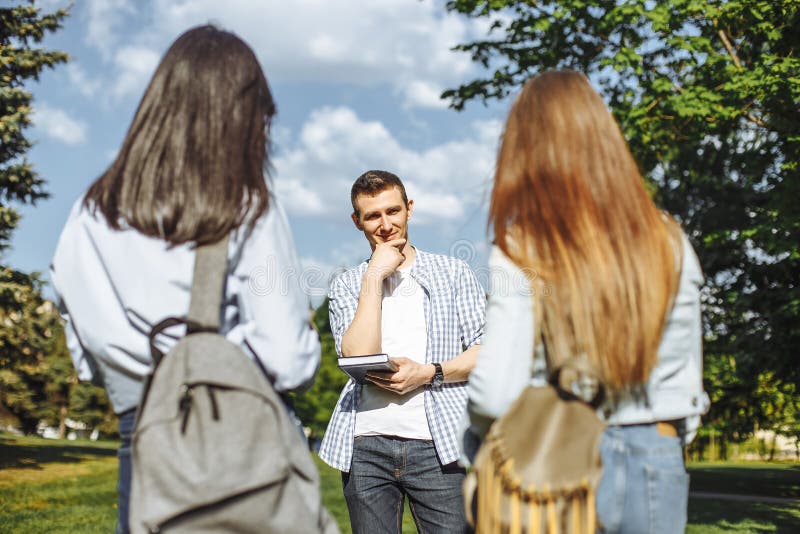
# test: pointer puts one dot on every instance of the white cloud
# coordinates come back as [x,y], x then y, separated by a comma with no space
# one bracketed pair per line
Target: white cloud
[82,82]
[105,17]
[405,44]
[299,198]
[54,4]
[420,93]
[317,272]
[57,124]
[430,205]
[136,65]
[316,276]
[334,146]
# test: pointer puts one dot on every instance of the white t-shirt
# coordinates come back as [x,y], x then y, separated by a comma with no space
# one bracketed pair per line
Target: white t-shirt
[403,333]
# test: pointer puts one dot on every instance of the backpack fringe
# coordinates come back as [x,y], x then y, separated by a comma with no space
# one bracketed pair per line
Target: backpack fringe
[505,507]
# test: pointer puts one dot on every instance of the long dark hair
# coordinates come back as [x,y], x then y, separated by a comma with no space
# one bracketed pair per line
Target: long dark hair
[191,167]
[570,205]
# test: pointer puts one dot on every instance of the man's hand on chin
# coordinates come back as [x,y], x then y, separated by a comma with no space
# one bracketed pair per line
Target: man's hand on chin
[386,258]
[409,376]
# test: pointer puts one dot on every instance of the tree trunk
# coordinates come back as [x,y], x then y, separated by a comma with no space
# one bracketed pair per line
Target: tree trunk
[711,455]
[62,422]
[772,446]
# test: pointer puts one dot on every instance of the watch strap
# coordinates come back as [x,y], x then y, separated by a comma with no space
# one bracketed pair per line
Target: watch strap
[438,374]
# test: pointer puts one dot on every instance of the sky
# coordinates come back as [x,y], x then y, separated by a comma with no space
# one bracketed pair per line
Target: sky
[357,85]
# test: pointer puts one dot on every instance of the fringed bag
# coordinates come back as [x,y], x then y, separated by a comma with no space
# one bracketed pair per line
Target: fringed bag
[539,466]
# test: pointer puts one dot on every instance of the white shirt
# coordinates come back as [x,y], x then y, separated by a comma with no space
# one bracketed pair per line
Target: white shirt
[114,285]
[403,333]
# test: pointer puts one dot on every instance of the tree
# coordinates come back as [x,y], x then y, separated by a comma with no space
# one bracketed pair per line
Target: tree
[26,335]
[21,26]
[315,406]
[26,338]
[37,380]
[707,93]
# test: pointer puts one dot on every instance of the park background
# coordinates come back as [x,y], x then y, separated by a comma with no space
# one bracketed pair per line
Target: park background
[707,93]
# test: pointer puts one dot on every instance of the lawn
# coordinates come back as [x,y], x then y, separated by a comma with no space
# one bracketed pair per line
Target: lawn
[711,516]
[59,486]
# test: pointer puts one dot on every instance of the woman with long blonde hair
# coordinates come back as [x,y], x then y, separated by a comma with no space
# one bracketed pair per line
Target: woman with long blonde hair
[584,263]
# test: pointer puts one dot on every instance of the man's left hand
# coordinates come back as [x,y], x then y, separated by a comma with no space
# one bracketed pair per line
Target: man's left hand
[409,376]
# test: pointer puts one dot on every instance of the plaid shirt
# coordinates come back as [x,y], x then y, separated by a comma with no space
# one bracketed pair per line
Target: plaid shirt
[454,307]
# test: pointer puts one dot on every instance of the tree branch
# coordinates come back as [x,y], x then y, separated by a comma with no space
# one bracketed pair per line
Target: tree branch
[729,48]
[752,118]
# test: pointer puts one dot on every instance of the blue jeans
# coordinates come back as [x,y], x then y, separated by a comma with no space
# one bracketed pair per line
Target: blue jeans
[126,421]
[385,470]
[645,486]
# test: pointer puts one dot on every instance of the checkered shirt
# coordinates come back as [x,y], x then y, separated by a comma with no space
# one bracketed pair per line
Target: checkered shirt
[455,312]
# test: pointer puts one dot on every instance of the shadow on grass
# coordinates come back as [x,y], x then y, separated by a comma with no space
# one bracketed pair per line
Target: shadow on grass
[780,480]
[26,453]
[728,516]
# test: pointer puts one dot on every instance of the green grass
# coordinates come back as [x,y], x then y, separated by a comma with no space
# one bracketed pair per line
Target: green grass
[57,486]
[752,478]
[709,516]
[60,486]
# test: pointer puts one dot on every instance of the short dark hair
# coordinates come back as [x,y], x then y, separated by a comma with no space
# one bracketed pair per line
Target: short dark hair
[191,167]
[374,182]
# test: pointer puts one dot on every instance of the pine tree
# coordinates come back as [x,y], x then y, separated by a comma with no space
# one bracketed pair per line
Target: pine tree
[25,336]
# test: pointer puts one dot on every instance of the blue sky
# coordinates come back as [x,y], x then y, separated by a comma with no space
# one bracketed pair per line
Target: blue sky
[356,84]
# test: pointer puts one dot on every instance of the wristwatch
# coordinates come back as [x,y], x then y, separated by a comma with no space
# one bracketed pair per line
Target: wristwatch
[438,375]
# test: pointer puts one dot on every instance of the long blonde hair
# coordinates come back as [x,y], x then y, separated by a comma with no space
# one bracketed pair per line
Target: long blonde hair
[569,204]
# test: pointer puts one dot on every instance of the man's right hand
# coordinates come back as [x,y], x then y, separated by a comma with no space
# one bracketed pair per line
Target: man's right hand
[386,258]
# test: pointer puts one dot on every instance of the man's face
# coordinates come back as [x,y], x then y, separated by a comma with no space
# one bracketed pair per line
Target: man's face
[383,217]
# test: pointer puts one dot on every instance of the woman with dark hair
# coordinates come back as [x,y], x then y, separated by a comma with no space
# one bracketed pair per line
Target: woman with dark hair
[190,171]
[603,273]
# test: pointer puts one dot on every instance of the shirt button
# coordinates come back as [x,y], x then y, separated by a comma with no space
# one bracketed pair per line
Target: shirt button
[694,401]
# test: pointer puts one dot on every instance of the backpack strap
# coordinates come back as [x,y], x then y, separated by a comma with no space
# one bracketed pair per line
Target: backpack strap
[205,302]
[210,268]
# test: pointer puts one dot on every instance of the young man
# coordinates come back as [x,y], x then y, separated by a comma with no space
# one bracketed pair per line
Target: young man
[396,435]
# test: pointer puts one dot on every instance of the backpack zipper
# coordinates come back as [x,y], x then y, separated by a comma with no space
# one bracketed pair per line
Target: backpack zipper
[186,399]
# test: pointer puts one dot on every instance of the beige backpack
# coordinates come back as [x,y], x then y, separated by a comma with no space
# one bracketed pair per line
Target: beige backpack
[539,465]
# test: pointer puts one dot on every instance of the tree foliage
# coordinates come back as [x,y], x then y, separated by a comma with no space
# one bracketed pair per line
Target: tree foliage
[20,28]
[708,95]
[37,382]
[315,406]
[37,379]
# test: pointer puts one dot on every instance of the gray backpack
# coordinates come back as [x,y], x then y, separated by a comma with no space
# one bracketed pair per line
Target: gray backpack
[214,449]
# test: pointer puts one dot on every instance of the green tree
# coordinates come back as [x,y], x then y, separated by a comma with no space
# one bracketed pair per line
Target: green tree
[315,406]
[26,338]
[37,380]
[26,334]
[64,396]
[708,95]
[20,28]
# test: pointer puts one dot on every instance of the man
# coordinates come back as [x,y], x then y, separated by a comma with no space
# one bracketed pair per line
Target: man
[396,436]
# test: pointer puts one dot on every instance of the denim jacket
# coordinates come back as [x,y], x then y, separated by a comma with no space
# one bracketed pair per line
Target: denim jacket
[506,365]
